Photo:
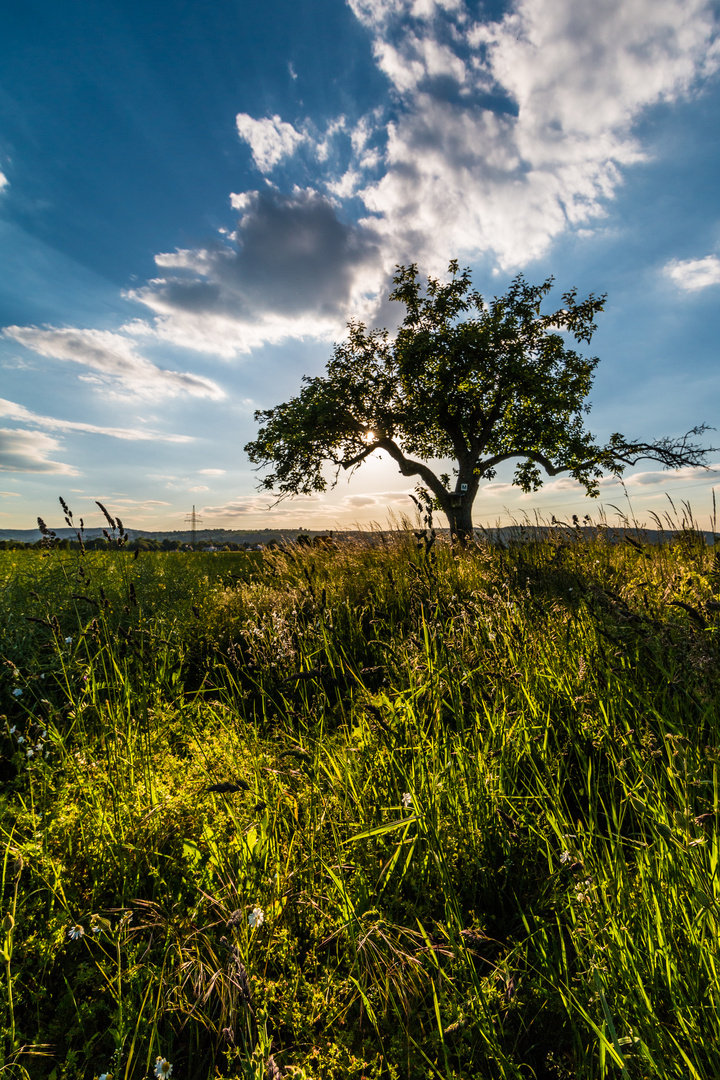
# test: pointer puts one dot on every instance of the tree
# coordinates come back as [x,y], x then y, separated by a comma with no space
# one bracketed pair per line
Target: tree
[479,383]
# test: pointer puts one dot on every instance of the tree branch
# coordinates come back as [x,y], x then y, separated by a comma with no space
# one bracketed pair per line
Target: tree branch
[358,457]
[671,453]
[410,467]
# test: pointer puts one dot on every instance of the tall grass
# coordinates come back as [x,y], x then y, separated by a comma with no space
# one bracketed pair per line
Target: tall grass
[380,811]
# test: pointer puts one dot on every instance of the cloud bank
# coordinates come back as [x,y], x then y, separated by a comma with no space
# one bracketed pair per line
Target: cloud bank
[497,138]
[291,269]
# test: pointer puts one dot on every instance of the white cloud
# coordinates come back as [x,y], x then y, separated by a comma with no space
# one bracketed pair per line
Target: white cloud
[694,274]
[270,139]
[13,411]
[28,452]
[212,472]
[117,360]
[3,181]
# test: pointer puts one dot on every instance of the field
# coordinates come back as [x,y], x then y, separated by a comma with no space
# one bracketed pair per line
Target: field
[369,812]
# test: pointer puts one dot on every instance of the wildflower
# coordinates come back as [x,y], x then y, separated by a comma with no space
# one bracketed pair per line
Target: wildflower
[13,729]
[105,1076]
[21,740]
[407,800]
[565,857]
[68,641]
[29,753]
[76,932]
[163,1068]
[17,692]
[256,917]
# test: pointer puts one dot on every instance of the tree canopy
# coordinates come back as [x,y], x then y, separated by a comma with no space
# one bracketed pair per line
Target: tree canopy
[479,383]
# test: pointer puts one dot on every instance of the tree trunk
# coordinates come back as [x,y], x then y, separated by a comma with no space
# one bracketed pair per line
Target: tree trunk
[459,515]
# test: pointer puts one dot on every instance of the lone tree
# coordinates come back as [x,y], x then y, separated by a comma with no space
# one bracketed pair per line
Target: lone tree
[480,383]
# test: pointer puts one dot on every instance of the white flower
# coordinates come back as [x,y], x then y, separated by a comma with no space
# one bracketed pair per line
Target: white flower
[29,753]
[68,641]
[21,740]
[105,1076]
[17,692]
[565,857]
[13,729]
[407,800]
[256,917]
[163,1068]
[76,932]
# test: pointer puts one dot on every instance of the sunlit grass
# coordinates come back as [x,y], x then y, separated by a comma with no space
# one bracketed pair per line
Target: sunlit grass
[377,811]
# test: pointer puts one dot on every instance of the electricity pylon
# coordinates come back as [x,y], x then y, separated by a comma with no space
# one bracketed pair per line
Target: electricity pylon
[193,520]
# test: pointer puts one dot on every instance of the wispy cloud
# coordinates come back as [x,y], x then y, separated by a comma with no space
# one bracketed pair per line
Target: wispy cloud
[303,508]
[115,358]
[12,411]
[29,452]
[646,479]
[694,274]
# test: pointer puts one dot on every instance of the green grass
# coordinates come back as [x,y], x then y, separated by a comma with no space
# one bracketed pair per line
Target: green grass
[476,801]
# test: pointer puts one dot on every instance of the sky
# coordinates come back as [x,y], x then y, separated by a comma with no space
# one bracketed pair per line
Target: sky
[195,199]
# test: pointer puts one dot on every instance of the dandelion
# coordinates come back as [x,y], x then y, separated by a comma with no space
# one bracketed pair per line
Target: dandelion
[407,800]
[163,1068]
[256,917]
[76,932]
[17,692]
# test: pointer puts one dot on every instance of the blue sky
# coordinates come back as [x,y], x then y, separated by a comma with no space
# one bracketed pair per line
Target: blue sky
[195,198]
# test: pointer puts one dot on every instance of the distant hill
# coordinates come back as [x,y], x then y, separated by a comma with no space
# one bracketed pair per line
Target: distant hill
[212,536]
[217,537]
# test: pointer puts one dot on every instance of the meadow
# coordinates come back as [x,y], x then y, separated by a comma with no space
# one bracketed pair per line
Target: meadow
[382,811]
